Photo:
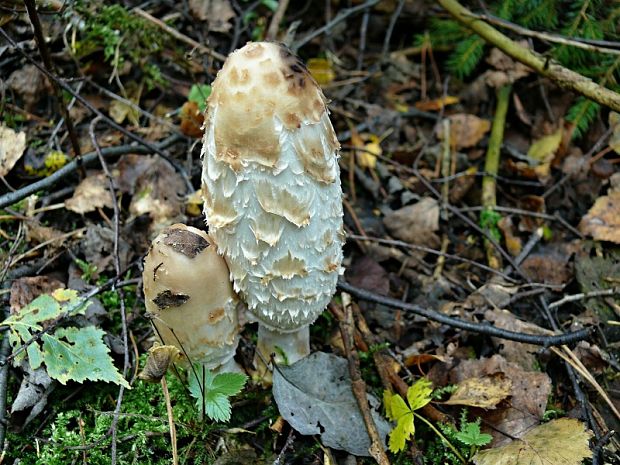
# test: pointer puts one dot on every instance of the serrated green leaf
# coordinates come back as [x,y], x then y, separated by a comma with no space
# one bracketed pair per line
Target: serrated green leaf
[217,406]
[401,434]
[79,354]
[199,94]
[395,406]
[420,394]
[228,384]
[470,435]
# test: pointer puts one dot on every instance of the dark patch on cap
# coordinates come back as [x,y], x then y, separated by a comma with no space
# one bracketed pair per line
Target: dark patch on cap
[169,299]
[185,242]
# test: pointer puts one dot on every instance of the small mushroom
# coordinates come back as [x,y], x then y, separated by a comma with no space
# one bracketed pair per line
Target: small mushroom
[271,185]
[189,297]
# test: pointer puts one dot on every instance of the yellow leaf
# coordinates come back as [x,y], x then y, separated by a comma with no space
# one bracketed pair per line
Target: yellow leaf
[544,148]
[419,394]
[484,392]
[64,295]
[368,158]
[193,204]
[559,442]
[438,104]
[402,433]
[321,70]
[395,406]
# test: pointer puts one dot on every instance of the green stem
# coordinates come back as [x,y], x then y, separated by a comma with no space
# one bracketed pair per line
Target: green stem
[443,438]
[491,165]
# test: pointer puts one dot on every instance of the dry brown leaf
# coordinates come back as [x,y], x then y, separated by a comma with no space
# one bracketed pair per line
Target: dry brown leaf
[484,392]
[30,83]
[25,290]
[217,13]
[438,104]
[507,70]
[559,442]
[465,130]
[90,194]
[191,120]
[602,221]
[513,242]
[415,223]
[12,146]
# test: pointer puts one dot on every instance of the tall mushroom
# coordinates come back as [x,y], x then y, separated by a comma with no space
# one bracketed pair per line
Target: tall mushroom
[271,185]
[190,299]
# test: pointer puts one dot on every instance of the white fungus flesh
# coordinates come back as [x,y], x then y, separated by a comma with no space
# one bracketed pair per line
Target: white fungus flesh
[271,184]
[189,297]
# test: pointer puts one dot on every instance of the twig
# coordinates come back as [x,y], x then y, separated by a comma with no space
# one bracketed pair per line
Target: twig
[60,175]
[562,76]
[177,35]
[576,42]
[362,45]
[344,14]
[480,328]
[358,386]
[529,246]
[109,121]
[491,166]
[598,449]
[278,16]
[47,61]
[287,444]
[584,295]
[5,351]
[390,29]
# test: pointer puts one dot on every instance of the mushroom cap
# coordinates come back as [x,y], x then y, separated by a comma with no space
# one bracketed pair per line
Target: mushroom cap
[271,184]
[189,296]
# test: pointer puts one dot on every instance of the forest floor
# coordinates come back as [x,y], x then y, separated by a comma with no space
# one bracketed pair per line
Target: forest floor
[481,209]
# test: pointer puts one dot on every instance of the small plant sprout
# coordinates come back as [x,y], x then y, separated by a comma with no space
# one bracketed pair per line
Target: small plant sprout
[190,299]
[404,412]
[272,192]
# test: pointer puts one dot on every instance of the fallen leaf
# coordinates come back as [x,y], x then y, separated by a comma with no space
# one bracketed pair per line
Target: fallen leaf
[507,70]
[415,223]
[217,13]
[559,442]
[25,290]
[33,392]
[465,130]
[542,152]
[12,146]
[438,104]
[193,204]
[602,221]
[92,193]
[614,123]
[321,70]
[30,83]
[324,406]
[119,111]
[513,242]
[523,355]
[51,162]
[528,396]
[191,120]
[483,392]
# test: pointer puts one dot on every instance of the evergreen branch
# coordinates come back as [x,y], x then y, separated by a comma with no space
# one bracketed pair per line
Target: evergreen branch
[562,76]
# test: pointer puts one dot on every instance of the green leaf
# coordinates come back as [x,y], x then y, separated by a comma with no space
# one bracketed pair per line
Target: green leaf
[470,434]
[420,394]
[217,389]
[79,354]
[402,433]
[228,384]
[217,406]
[395,406]
[271,4]
[199,94]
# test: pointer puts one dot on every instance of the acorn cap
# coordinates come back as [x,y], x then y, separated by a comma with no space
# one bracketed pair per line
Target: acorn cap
[271,184]
[189,296]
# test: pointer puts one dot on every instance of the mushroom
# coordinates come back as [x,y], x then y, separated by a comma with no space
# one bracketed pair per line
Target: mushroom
[271,185]
[190,299]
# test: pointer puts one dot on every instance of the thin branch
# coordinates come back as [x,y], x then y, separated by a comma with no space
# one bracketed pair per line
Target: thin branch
[5,351]
[562,76]
[480,328]
[278,16]
[585,295]
[344,14]
[47,61]
[60,175]
[177,35]
[390,29]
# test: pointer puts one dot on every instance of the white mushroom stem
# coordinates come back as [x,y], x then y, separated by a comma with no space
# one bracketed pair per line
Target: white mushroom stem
[287,347]
[190,299]
[271,184]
